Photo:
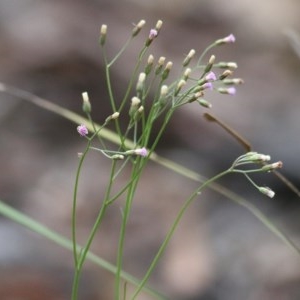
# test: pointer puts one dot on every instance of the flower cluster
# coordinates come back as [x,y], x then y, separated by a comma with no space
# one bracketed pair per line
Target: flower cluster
[251,158]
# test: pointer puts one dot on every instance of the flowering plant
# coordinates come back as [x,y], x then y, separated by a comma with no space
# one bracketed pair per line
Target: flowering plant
[149,80]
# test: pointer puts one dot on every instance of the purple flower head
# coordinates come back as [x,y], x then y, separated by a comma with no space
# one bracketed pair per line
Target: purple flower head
[229,39]
[231,90]
[153,34]
[141,151]
[207,85]
[226,40]
[211,76]
[82,130]
[228,91]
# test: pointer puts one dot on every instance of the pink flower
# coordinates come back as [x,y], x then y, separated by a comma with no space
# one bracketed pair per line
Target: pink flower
[211,76]
[153,34]
[207,85]
[231,90]
[226,40]
[82,130]
[229,39]
[141,151]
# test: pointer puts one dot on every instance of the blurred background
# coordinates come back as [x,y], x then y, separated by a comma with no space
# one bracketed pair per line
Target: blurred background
[220,251]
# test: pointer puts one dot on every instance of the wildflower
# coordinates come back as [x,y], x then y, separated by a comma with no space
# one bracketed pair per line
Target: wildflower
[229,91]
[226,40]
[153,34]
[211,76]
[267,191]
[207,85]
[141,151]
[82,130]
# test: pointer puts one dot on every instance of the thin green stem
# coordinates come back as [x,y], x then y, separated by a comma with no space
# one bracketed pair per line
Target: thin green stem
[125,216]
[74,205]
[163,246]
[85,250]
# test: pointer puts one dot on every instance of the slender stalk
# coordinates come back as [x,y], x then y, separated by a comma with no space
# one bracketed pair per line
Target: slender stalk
[85,250]
[75,205]
[163,246]
[125,216]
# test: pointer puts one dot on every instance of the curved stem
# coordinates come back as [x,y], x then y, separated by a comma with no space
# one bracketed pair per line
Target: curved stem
[173,228]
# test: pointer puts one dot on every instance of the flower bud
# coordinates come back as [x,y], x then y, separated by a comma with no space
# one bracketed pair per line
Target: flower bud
[254,157]
[273,166]
[160,64]
[135,101]
[187,73]
[163,95]
[166,71]
[158,25]
[115,115]
[164,90]
[86,104]
[227,65]
[141,83]
[189,57]
[204,103]
[180,85]
[235,81]
[138,28]
[103,33]
[117,157]
[225,74]
[267,191]
[149,64]
[210,64]
[140,109]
